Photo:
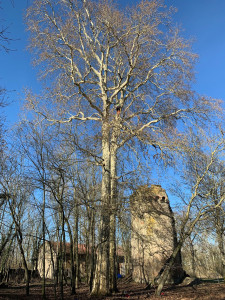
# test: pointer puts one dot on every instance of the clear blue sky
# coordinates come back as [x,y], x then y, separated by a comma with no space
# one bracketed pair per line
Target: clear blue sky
[203,20]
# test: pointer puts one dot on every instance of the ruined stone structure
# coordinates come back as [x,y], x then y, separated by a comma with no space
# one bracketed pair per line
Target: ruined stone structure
[153,235]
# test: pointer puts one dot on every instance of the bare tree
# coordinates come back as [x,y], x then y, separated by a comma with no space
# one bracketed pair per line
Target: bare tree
[16,191]
[34,143]
[198,205]
[216,221]
[126,72]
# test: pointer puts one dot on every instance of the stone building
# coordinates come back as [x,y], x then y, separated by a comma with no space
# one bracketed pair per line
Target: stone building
[153,235]
[51,259]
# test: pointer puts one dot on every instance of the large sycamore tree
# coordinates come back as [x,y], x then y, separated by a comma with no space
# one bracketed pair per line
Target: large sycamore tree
[123,72]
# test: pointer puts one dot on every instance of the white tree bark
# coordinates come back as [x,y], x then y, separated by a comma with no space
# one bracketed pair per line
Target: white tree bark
[101,279]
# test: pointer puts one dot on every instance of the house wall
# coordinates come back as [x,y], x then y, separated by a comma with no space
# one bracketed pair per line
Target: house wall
[48,262]
[49,270]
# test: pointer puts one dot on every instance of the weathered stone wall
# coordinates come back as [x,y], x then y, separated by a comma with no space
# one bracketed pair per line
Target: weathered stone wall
[153,234]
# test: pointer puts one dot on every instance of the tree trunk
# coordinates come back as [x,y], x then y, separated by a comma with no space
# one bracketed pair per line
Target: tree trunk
[43,234]
[61,269]
[167,268]
[73,289]
[62,252]
[87,260]
[54,268]
[57,257]
[92,268]
[27,277]
[112,245]
[76,254]
[101,278]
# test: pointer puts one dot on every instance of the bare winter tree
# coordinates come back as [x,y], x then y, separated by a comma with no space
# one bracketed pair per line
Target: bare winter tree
[201,158]
[216,220]
[15,191]
[33,142]
[126,73]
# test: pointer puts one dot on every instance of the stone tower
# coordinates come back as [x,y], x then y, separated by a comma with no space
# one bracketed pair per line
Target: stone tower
[153,235]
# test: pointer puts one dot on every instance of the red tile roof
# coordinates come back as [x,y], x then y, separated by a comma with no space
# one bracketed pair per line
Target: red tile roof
[82,249]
